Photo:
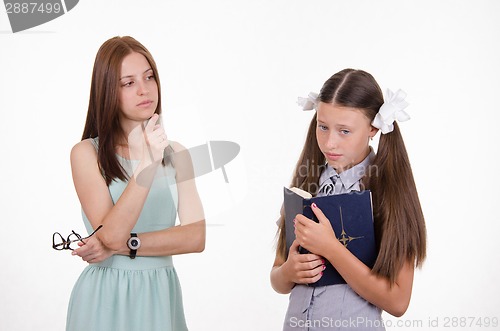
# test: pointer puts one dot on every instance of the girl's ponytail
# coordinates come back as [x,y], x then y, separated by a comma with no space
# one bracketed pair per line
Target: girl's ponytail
[399,221]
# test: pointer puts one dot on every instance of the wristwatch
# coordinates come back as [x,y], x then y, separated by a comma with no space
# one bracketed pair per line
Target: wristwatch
[133,243]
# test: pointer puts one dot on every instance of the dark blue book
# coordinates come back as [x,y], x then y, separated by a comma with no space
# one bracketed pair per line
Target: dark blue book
[351,216]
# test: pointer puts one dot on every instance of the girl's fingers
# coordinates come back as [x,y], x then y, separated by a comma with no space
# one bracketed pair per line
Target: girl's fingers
[312,276]
[316,278]
[304,258]
[319,214]
[309,265]
[294,248]
[302,220]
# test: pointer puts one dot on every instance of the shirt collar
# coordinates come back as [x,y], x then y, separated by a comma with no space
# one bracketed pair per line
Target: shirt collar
[351,176]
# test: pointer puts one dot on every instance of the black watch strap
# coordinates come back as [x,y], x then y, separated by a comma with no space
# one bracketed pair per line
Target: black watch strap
[133,251]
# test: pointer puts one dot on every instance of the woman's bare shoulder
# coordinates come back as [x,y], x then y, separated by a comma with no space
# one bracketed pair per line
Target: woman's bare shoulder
[84,149]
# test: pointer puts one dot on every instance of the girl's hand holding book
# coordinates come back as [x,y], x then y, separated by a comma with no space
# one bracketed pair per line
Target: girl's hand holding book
[315,237]
[303,268]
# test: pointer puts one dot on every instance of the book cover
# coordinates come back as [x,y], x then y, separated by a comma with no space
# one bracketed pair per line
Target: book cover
[351,216]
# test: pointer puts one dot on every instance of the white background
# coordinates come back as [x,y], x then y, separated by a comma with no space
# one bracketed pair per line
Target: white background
[232,70]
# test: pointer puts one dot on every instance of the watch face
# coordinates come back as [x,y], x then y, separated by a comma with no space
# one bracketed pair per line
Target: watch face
[134,243]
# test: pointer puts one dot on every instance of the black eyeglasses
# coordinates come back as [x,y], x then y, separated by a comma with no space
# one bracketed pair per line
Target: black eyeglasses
[59,243]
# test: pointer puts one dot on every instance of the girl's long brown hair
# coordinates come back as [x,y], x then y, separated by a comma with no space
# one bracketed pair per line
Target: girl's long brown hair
[104,104]
[399,221]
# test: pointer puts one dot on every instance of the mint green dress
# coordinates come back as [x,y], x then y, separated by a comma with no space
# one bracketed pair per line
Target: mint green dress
[138,294]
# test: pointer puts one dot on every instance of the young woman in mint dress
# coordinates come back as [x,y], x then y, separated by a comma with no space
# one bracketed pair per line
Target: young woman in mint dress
[134,182]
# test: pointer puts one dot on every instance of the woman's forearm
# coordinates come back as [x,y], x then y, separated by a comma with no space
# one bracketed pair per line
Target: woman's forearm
[121,219]
[181,239]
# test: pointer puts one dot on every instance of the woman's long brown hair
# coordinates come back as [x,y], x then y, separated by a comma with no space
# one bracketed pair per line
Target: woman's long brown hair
[104,104]
[399,221]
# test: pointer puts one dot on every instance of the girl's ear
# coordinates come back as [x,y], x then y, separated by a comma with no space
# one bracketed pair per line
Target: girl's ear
[373,131]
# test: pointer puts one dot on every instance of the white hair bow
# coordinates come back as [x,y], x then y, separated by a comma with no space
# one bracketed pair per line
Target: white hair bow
[308,103]
[391,110]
